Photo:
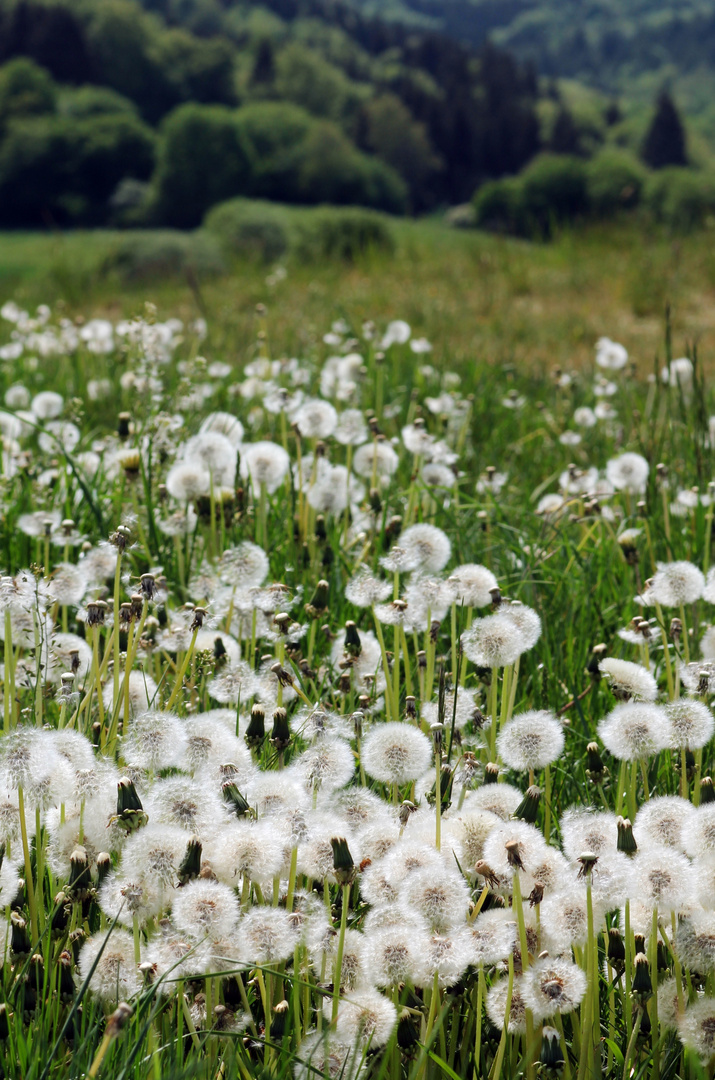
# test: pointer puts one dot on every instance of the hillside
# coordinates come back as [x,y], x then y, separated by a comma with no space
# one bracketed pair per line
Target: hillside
[108,111]
[625,49]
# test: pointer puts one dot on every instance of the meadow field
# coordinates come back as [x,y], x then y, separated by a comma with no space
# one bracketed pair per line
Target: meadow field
[357,661]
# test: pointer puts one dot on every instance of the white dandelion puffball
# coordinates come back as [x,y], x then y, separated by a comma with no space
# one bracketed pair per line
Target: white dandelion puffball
[553,985]
[264,463]
[395,753]
[377,456]
[493,641]
[610,355]
[634,731]
[676,583]
[473,585]
[691,723]
[709,587]
[155,740]
[316,419]
[204,908]
[628,472]
[116,977]
[662,820]
[531,740]
[225,424]
[629,680]
[583,829]
[428,546]
[696,1028]
[496,1006]
[188,480]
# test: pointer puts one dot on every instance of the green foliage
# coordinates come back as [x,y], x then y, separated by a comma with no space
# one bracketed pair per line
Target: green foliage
[680,198]
[665,140]
[146,256]
[203,159]
[255,229]
[615,181]
[93,101]
[391,132]
[331,170]
[250,229]
[304,160]
[59,169]
[348,234]
[25,90]
[306,79]
[498,206]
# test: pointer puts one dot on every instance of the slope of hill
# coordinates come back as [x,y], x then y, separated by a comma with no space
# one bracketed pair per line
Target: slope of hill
[95,94]
[626,48]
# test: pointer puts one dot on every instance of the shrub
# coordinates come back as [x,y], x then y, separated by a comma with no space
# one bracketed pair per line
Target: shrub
[614,181]
[275,132]
[344,233]
[250,229]
[554,190]
[25,90]
[331,170]
[145,256]
[94,101]
[204,158]
[680,198]
[498,206]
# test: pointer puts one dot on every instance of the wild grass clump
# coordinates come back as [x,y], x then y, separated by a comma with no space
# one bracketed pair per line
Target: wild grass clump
[356,709]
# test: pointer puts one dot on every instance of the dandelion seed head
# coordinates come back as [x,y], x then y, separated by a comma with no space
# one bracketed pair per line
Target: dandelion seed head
[531,740]
[629,680]
[634,731]
[395,753]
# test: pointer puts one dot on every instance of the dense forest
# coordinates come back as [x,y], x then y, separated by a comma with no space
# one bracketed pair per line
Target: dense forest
[118,113]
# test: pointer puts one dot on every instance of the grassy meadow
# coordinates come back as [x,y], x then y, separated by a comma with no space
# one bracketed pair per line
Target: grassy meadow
[357,663]
[483,297]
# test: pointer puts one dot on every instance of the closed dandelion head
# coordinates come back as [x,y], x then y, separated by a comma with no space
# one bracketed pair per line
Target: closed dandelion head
[494,641]
[395,753]
[691,723]
[664,821]
[531,740]
[553,985]
[205,909]
[634,731]
[629,681]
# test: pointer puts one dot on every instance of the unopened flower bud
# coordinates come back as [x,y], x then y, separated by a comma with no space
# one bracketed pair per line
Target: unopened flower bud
[343,864]
[528,808]
[190,866]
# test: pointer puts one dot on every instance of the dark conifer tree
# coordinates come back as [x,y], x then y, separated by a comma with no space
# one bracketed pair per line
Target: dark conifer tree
[665,142]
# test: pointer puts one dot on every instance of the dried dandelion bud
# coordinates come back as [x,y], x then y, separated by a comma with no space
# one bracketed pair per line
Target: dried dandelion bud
[642,985]
[280,735]
[626,841]
[190,866]
[491,773]
[353,645]
[551,1054]
[528,808]
[118,1020]
[707,790]
[343,864]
